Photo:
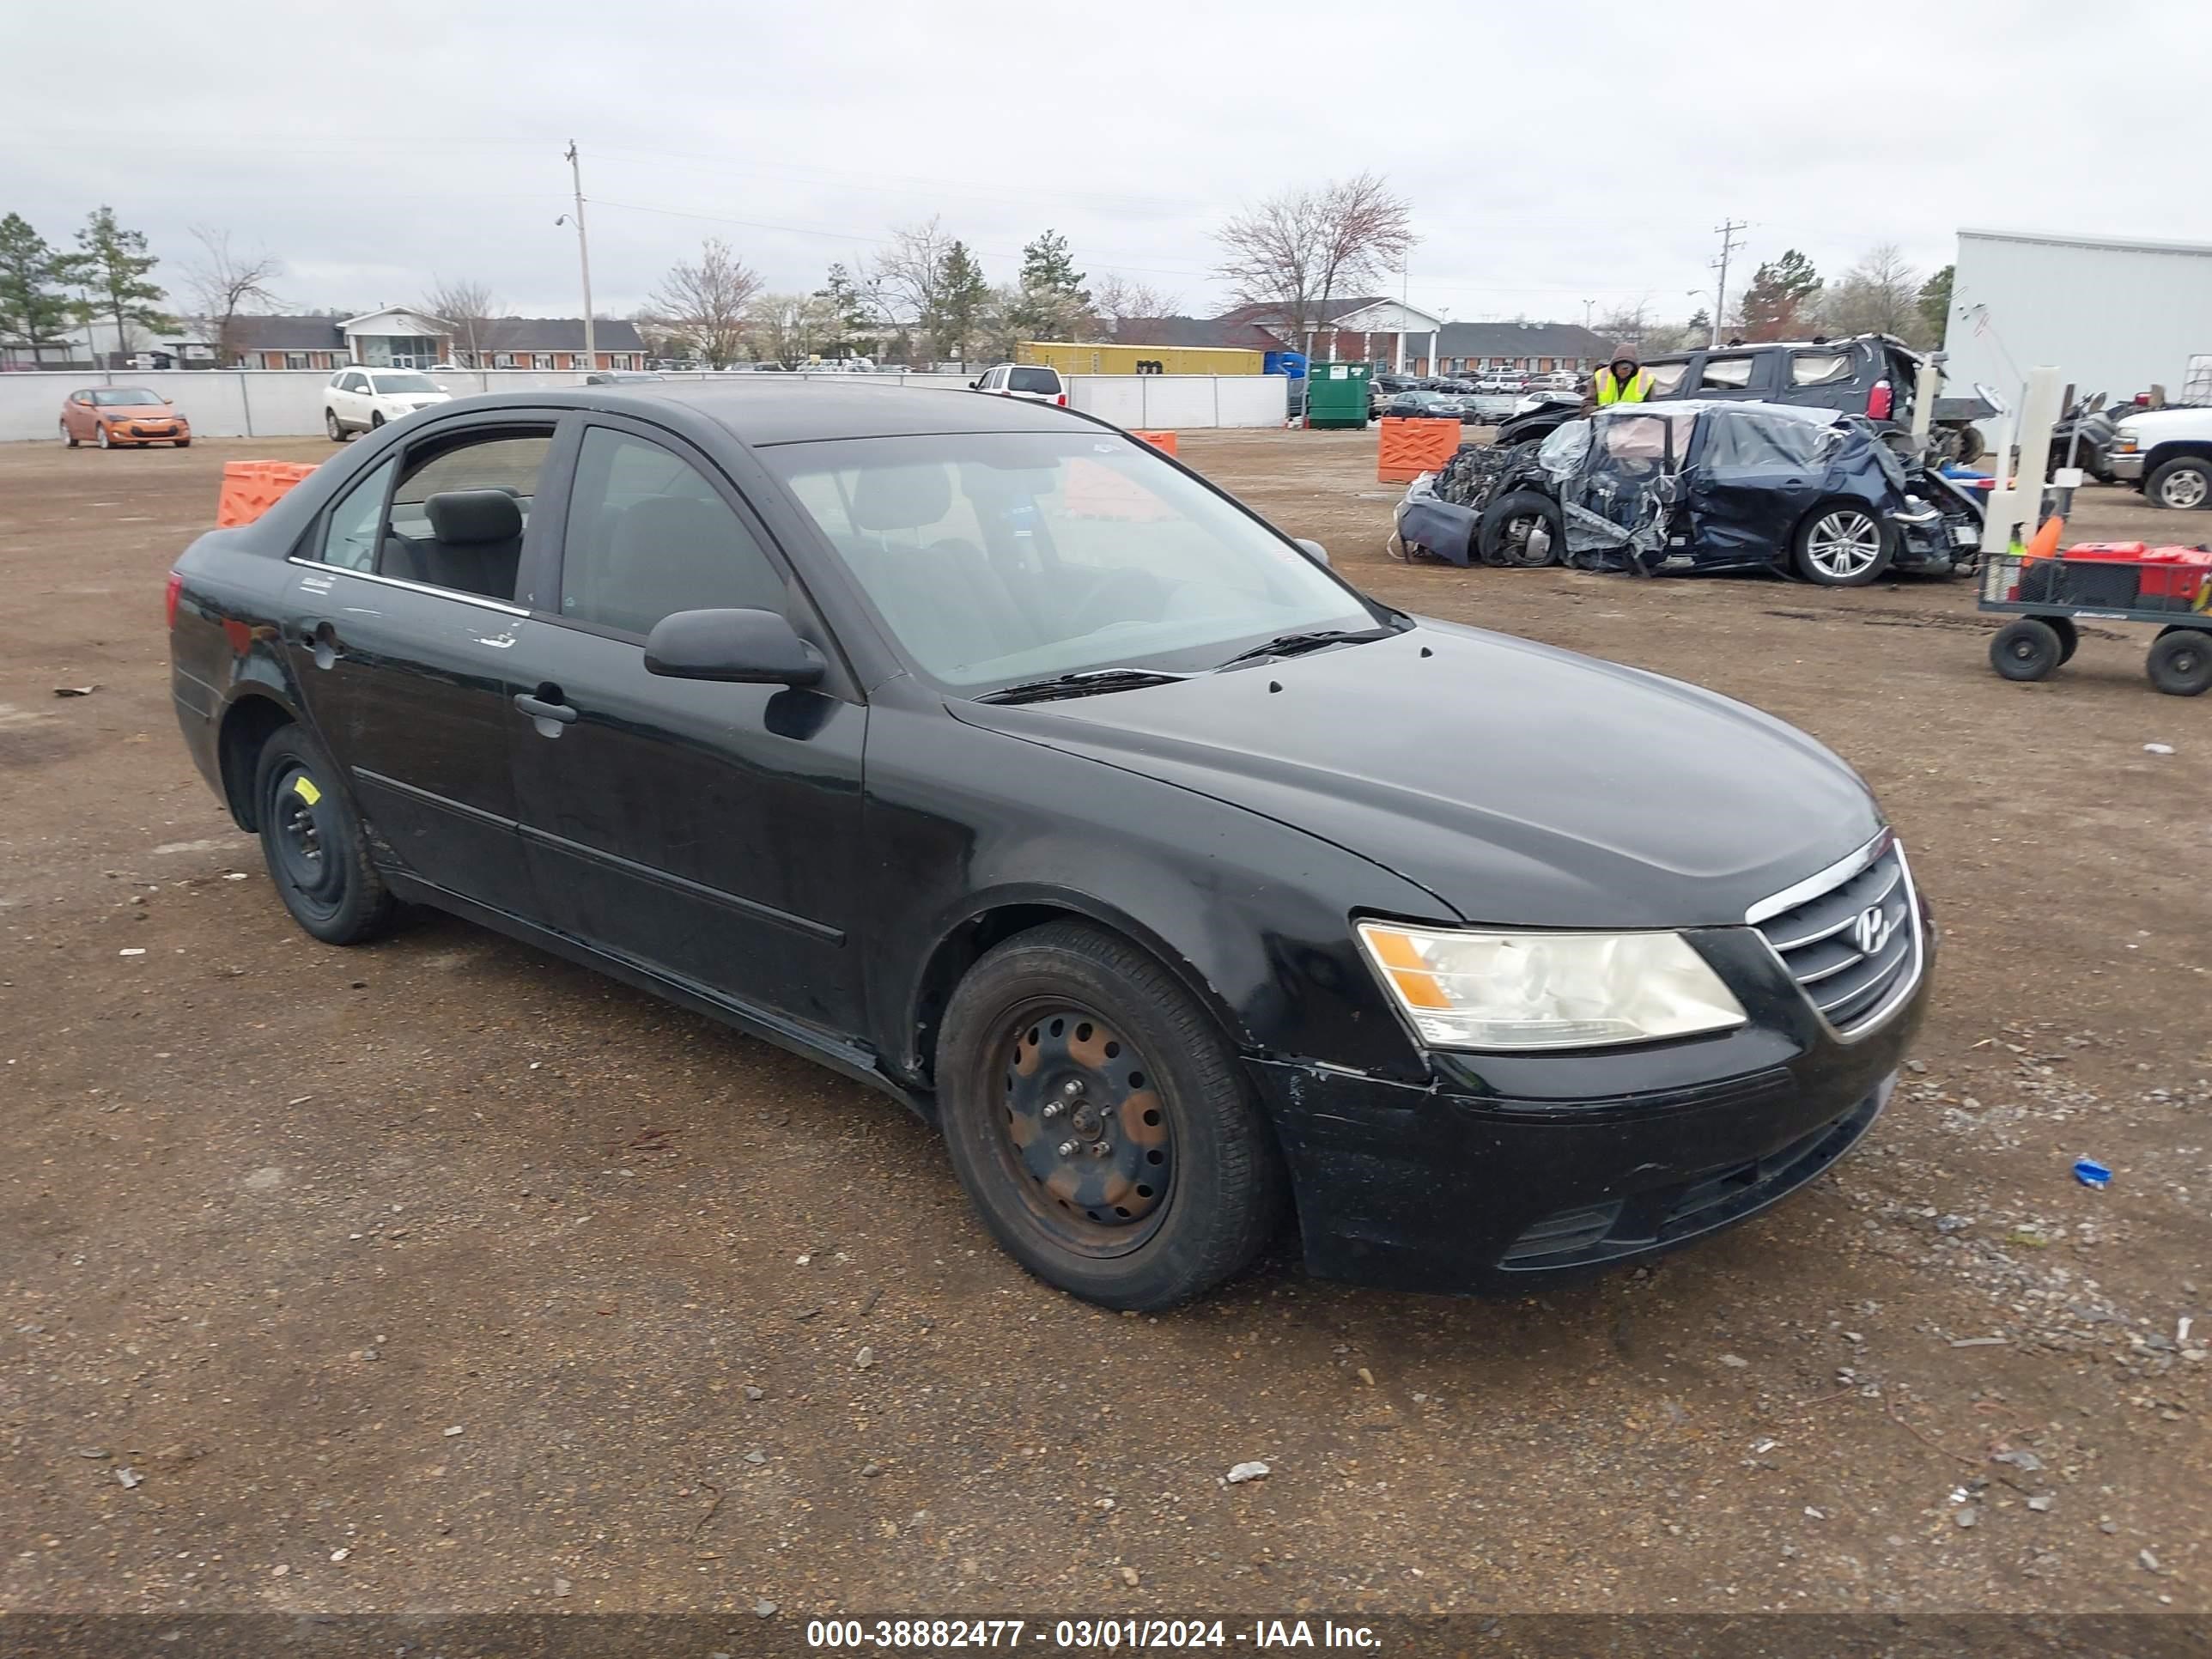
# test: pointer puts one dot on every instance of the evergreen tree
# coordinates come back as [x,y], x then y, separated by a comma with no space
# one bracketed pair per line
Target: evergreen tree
[960,303]
[1935,302]
[1779,303]
[114,263]
[32,309]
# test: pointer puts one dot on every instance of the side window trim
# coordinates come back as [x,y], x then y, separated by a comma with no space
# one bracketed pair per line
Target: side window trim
[311,547]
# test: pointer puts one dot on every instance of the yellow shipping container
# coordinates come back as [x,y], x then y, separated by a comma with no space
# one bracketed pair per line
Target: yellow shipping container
[1072,357]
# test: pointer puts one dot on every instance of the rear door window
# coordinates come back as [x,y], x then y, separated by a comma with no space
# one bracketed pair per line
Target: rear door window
[350,533]
[1727,373]
[460,511]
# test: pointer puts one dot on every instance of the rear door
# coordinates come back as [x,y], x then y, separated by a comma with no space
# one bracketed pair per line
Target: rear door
[1833,376]
[1752,477]
[408,594]
[708,831]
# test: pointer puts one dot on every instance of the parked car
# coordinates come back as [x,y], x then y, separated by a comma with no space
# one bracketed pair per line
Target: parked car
[1497,383]
[112,417]
[2165,452]
[1129,847]
[1037,382]
[618,376]
[1424,406]
[363,400]
[1694,487]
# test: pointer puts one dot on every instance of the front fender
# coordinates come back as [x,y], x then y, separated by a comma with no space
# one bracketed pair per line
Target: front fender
[1254,916]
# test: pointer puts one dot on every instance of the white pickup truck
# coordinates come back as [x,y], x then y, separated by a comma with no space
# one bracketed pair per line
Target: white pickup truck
[2168,455]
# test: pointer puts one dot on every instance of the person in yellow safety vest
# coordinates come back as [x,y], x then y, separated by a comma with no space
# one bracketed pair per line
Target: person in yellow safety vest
[1623,380]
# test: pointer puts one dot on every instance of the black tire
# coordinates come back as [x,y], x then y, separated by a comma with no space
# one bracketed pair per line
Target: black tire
[1501,536]
[2026,649]
[1820,551]
[312,840]
[375,419]
[184,443]
[2069,636]
[1971,447]
[68,437]
[2180,662]
[338,433]
[1068,1004]
[2183,484]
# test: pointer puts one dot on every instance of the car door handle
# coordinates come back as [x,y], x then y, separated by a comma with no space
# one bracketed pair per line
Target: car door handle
[548,708]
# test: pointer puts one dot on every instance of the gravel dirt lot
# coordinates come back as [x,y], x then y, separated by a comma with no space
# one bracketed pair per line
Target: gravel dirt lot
[442,1274]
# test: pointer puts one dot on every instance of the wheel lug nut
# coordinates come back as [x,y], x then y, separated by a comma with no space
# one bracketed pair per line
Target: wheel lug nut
[1100,1149]
[1067,1148]
[1053,1108]
[1072,1088]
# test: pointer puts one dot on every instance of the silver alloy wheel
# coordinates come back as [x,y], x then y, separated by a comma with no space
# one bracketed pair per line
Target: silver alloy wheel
[1844,544]
[2184,489]
[99,432]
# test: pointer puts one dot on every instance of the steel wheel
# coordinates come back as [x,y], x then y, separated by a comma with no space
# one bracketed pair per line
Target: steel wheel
[301,841]
[313,843]
[2182,488]
[1085,1136]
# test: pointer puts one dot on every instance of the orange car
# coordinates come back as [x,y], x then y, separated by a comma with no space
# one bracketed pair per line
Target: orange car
[112,415]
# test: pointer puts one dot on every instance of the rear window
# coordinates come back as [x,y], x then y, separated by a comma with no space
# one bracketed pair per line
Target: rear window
[1819,367]
[1666,378]
[1046,380]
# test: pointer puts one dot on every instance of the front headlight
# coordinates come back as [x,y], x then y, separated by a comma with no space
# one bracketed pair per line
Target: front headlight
[2125,443]
[1512,990]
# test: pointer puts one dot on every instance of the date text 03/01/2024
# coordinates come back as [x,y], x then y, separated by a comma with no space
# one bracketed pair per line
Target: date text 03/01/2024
[1067,1634]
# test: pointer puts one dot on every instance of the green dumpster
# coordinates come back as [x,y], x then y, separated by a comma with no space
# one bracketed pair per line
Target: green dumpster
[1336,394]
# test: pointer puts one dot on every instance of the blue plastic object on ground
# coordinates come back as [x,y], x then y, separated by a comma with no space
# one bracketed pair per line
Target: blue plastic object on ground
[2090,1173]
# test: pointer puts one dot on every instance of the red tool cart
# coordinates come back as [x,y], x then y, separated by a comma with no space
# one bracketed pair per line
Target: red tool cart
[2170,587]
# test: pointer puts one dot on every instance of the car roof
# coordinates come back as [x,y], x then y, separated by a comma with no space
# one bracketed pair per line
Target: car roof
[779,410]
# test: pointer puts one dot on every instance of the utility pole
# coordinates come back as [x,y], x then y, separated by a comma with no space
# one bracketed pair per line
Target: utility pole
[1726,231]
[584,255]
[1589,306]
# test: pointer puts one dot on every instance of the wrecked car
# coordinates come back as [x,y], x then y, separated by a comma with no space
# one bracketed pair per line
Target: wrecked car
[1685,486]
[989,758]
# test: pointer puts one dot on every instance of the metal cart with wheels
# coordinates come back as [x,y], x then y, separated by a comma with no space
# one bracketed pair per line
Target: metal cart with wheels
[2170,588]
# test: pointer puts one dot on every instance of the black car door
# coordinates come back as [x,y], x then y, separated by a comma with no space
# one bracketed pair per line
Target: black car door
[1752,477]
[708,831]
[404,605]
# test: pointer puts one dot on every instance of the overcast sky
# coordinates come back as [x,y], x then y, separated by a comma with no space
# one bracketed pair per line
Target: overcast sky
[1554,153]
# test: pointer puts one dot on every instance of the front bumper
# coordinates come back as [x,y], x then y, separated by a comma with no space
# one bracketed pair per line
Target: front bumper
[1492,1179]
[2125,468]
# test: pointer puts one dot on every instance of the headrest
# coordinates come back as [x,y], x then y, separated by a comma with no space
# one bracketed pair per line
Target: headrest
[902,497]
[670,525]
[463,517]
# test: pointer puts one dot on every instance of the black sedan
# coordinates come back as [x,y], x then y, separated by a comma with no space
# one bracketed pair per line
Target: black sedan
[985,755]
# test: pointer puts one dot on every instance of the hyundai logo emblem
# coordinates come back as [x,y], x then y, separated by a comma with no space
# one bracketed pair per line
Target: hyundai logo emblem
[1869,930]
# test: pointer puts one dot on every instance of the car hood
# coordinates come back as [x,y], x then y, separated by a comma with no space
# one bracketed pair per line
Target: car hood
[1524,786]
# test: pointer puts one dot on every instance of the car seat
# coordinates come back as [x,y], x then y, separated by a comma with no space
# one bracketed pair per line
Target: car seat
[475,544]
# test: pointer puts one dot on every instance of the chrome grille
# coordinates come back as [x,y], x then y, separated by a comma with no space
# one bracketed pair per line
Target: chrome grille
[1851,966]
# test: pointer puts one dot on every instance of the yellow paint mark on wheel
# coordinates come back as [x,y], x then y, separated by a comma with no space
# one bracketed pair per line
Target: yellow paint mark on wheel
[304,788]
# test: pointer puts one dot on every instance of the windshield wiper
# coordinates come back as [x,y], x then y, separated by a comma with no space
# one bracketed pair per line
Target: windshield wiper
[1312,639]
[1080,684]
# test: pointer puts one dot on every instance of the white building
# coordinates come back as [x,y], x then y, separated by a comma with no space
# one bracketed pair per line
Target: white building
[2112,316]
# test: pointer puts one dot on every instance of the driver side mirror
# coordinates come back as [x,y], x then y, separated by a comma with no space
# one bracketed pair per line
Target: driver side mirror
[742,648]
[1314,551]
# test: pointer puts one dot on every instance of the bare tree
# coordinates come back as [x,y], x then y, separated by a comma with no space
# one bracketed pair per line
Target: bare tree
[1118,300]
[1881,294]
[224,285]
[791,329]
[1300,250]
[470,308]
[1626,321]
[704,304]
[905,278]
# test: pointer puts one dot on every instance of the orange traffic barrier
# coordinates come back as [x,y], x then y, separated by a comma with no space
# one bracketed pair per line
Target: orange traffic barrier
[1409,448]
[1160,440]
[250,488]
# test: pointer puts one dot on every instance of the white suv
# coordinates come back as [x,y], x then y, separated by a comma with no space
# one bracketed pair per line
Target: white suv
[1039,384]
[362,400]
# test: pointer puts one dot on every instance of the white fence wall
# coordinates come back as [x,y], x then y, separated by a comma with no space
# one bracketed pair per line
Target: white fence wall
[288,402]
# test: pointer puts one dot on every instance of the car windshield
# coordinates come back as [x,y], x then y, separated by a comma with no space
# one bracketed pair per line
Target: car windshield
[1003,557]
[388,384]
[126,396]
